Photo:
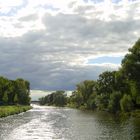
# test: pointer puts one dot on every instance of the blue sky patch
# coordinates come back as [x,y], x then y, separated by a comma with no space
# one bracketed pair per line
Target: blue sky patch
[15,9]
[106,59]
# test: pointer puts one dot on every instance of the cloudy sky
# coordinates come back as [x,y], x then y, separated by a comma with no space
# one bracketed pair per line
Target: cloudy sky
[57,43]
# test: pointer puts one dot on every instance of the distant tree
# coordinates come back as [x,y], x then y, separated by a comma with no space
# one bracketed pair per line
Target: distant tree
[57,98]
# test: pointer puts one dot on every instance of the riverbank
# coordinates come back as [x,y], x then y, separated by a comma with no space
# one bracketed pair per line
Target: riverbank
[11,110]
[133,113]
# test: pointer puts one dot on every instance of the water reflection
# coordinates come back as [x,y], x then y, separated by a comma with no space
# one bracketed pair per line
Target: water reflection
[50,123]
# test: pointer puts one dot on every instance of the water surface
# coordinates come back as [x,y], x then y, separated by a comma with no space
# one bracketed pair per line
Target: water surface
[52,123]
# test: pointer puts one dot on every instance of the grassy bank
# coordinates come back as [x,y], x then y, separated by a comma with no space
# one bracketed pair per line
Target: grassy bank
[11,110]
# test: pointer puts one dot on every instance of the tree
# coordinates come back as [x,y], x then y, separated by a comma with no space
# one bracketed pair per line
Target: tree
[101,101]
[3,86]
[106,82]
[114,102]
[126,103]
[86,88]
[76,99]
[22,89]
[5,98]
[15,99]
[57,98]
[131,63]
[9,89]
[121,83]
[131,70]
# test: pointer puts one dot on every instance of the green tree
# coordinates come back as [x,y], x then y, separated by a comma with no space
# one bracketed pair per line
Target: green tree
[102,101]
[131,63]
[86,88]
[91,103]
[22,90]
[76,99]
[5,98]
[126,103]
[121,83]
[131,70]
[3,86]
[114,102]
[106,82]
[57,98]
[15,99]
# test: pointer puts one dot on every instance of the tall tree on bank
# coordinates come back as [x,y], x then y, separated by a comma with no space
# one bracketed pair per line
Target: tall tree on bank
[14,91]
[114,91]
[86,88]
[131,70]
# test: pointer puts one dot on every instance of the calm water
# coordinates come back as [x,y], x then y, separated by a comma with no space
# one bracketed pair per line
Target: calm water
[50,123]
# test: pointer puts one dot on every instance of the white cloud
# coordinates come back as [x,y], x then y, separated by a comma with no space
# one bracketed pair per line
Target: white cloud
[49,42]
[6,5]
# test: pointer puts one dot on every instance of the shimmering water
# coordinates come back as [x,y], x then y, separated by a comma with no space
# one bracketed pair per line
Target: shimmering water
[51,123]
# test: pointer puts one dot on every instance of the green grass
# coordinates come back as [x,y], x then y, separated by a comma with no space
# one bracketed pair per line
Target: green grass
[11,110]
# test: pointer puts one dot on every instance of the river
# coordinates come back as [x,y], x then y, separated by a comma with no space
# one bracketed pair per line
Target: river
[52,123]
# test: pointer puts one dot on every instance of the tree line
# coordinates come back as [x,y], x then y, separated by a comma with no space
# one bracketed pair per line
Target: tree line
[58,98]
[14,91]
[113,91]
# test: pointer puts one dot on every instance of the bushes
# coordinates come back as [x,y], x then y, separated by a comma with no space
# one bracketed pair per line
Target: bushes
[114,102]
[126,103]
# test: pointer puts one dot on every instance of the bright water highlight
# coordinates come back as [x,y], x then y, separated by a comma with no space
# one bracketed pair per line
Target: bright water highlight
[53,123]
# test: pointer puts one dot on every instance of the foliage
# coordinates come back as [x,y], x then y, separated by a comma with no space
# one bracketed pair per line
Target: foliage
[114,102]
[15,99]
[101,101]
[57,98]
[114,90]
[91,102]
[5,98]
[85,89]
[126,103]
[131,63]
[76,100]
[14,91]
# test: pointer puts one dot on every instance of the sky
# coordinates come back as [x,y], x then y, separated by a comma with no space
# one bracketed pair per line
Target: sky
[56,44]
[36,94]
